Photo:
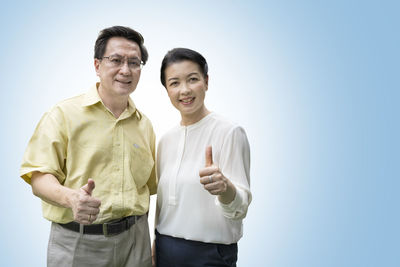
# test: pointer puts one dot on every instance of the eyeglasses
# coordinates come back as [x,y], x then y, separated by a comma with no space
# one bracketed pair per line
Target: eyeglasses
[118,61]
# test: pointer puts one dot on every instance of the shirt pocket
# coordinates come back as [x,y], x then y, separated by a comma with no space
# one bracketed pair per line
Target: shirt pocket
[141,164]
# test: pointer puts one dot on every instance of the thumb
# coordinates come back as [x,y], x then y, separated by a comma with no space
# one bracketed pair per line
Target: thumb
[209,159]
[88,188]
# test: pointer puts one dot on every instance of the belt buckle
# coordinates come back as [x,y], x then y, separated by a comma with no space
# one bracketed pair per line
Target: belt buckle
[105,229]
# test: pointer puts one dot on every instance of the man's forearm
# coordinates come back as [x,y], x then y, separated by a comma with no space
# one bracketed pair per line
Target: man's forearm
[48,188]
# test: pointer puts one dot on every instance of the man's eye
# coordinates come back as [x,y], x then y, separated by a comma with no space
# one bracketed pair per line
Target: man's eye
[193,79]
[173,84]
[134,63]
[116,60]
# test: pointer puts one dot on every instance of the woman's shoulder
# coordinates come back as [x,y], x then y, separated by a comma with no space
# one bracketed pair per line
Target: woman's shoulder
[223,123]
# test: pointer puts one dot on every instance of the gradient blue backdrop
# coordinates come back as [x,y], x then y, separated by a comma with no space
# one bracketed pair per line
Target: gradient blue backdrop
[314,83]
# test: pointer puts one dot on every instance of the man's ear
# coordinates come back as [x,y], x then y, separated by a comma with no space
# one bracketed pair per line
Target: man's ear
[206,81]
[97,65]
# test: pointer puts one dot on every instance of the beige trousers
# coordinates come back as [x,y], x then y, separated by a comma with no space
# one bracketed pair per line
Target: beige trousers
[72,249]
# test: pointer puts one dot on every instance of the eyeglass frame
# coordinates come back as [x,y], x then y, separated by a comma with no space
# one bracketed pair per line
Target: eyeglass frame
[123,60]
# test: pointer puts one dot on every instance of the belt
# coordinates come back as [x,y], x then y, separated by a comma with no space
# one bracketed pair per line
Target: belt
[109,228]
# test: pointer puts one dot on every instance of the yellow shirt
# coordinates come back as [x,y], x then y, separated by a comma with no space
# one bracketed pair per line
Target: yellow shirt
[79,139]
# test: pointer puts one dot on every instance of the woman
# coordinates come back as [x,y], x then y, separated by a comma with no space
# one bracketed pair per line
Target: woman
[203,167]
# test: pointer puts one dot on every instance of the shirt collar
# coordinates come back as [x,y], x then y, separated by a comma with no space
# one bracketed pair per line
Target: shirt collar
[92,97]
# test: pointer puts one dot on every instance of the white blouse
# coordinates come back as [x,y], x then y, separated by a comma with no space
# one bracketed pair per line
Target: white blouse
[186,209]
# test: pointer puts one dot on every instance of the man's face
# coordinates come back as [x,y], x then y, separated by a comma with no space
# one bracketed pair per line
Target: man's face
[117,81]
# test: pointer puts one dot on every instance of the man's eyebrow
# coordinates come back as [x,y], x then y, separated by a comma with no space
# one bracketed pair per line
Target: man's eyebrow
[118,55]
[193,73]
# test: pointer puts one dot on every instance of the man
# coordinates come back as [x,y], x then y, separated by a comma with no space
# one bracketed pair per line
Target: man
[91,161]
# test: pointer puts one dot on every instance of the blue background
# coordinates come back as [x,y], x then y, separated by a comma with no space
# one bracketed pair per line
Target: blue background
[314,83]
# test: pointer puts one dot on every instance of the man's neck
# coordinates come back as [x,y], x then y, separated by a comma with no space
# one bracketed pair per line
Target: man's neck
[116,104]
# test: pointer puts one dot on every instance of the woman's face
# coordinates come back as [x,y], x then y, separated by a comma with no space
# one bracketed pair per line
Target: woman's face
[186,87]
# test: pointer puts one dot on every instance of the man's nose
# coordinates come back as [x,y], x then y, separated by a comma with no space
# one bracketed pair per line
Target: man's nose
[124,69]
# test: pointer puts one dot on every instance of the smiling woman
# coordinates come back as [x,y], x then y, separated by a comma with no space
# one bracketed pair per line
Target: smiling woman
[214,190]
[186,87]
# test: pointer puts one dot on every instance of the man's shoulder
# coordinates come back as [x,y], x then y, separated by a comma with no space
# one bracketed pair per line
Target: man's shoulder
[66,106]
[143,122]
[71,101]
[68,103]
[143,118]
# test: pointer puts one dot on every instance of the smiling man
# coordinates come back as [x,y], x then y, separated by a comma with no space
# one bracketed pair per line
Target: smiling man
[91,161]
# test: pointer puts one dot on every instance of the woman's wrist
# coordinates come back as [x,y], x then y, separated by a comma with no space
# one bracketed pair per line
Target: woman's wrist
[229,195]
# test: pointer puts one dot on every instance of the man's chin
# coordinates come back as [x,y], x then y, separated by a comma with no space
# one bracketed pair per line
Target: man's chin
[122,90]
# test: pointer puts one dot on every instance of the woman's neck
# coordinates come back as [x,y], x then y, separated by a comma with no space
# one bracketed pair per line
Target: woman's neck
[193,118]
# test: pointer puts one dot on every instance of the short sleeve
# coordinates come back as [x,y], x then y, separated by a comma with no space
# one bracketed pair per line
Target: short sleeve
[46,150]
[235,165]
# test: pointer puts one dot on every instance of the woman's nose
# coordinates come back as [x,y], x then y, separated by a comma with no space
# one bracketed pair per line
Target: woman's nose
[185,88]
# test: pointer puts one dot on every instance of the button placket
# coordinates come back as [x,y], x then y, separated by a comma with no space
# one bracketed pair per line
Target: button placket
[118,163]
[173,181]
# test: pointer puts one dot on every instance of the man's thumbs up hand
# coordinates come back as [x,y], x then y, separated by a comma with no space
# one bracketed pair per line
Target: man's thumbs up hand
[85,207]
[88,188]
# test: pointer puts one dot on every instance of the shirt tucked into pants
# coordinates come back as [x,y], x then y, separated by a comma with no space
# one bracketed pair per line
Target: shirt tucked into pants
[73,249]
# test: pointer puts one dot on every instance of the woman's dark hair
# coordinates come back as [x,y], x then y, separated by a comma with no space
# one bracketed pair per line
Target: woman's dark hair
[180,54]
[119,31]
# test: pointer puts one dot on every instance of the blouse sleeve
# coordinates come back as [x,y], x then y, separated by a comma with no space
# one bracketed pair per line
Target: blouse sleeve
[235,165]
